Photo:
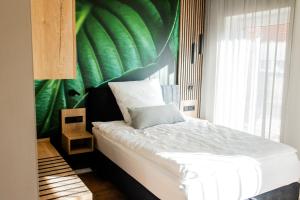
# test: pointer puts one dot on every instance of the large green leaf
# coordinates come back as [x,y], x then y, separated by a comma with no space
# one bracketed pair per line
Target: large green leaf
[174,40]
[89,65]
[115,40]
[74,90]
[164,8]
[60,103]
[51,105]
[83,9]
[153,19]
[105,49]
[45,99]
[123,40]
[136,26]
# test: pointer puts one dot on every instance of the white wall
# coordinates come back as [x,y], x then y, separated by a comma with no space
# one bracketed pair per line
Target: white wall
[291,130]
[18,168]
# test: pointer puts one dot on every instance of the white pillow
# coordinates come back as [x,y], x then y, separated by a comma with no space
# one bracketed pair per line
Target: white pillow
[133,94]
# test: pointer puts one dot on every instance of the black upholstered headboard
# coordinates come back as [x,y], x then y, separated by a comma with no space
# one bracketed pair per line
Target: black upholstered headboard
[101,104]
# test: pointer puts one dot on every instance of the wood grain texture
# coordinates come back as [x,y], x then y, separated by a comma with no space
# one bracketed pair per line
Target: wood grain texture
[191,27]
[73,127]
[45,149]
[56,179]
[53,39]
[101,189]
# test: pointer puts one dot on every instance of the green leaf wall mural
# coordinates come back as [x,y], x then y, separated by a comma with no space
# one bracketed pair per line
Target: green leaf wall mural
[116,39]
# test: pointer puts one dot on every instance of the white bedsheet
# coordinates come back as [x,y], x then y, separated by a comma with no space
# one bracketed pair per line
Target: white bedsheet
[212,162]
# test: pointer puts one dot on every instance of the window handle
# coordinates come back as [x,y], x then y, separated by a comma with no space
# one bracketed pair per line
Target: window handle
[193,53]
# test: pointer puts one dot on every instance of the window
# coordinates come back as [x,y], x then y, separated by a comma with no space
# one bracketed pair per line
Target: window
[251,67]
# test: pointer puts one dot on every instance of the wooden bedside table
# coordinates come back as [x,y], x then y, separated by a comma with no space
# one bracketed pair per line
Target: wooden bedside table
[75,139]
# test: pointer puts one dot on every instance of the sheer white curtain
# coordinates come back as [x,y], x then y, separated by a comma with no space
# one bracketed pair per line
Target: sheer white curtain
[246,64]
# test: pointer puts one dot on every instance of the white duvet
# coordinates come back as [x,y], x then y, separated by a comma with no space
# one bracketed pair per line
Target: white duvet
[213,163]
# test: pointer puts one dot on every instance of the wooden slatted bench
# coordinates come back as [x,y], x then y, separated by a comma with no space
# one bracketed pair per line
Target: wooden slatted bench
[56,179]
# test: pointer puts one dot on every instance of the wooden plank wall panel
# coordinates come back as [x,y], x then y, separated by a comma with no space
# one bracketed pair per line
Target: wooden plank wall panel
[53,39]
[191,27]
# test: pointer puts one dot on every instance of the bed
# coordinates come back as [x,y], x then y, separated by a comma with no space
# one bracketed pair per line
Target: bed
[227,168]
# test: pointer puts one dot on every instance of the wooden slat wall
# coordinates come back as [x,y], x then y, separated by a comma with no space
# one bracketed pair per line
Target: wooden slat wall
[191,26]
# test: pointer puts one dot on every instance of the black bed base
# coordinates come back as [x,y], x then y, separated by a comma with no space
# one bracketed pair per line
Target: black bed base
[288,192]
[107,169]
[135,191]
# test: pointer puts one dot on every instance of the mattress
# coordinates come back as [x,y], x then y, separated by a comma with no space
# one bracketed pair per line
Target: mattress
[198,160]
[157,180]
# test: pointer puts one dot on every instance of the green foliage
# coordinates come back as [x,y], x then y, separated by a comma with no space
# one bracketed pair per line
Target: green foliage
[115,39]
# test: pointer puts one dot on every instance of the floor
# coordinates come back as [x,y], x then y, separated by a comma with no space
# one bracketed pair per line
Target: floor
[101,189]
